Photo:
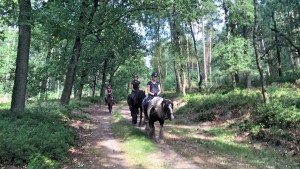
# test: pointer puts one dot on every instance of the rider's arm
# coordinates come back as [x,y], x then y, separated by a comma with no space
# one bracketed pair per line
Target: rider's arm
[159,90]
[131,86]
[148,89]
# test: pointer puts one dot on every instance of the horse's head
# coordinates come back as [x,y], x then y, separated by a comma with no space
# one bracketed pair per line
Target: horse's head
[142,94]
[167,106]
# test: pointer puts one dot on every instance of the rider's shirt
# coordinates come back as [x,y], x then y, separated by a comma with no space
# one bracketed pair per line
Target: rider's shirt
[154,86]
[135,84]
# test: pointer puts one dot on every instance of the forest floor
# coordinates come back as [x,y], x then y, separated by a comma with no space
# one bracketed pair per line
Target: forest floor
[104,145]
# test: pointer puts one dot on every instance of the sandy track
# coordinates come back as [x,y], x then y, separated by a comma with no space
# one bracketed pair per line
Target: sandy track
[99,149]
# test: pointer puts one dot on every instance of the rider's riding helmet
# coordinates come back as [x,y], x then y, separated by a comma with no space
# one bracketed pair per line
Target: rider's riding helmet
[135,75]
[154,74]
[109,86]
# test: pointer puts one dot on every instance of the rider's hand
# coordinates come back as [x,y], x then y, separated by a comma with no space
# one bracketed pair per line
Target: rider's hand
[155,94]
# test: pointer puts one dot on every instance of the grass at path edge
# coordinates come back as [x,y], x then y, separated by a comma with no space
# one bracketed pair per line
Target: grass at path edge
[135,143]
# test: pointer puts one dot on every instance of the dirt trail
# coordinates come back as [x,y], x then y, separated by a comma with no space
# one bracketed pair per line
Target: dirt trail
[99,149]
[166,156]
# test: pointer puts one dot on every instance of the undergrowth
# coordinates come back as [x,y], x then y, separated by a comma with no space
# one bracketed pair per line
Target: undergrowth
[39,138]
[277,122]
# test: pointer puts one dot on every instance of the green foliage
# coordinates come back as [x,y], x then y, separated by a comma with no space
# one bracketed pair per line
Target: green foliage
[232,56]
[40,138]
[42,162]
[283,111]
[198,103]
[275,122]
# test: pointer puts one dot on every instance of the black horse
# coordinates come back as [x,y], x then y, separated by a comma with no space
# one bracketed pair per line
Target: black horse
[135,106]
[110,102]
[157,109]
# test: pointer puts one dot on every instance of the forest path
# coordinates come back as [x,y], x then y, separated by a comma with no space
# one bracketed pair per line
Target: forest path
[99,148]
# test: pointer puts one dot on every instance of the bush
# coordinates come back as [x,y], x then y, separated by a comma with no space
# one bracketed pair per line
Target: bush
[197,102]
[206,116]
[41,137]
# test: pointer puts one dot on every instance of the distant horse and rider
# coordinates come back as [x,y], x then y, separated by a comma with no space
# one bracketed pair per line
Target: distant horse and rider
[109,99]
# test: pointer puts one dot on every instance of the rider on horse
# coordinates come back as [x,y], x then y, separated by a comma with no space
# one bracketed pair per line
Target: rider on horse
[153,88]
[135,85]
[109,92]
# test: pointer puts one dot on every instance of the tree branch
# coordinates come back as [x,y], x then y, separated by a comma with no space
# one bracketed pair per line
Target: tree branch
[123,15]
[286,38]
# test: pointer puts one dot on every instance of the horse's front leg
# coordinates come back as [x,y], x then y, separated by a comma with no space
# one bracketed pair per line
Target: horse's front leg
[148,128]
[152,129]
[146,119]
[141,116]
[161,131]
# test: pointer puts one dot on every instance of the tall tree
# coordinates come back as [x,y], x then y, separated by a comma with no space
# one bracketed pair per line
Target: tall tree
[204,52]
[81,33]
[20,83]
[188,63]
[257,56]
[197,58]
[278,52]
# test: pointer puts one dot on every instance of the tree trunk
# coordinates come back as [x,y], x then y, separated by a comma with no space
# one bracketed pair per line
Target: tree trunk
[177,78]
[258,63]
[161,77]
[20,82]
[266,54]
[197,58]
[292,59]
[248,80]
[66,94]
[188,63]
[247,74]
[183,79]
[204,52]
[45,80]
[175,32]
[224,6]
[210,55]
[102,90]
[94,84]
[182,73]
[82,32]
[279,67]
[81,84]
[234,82]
